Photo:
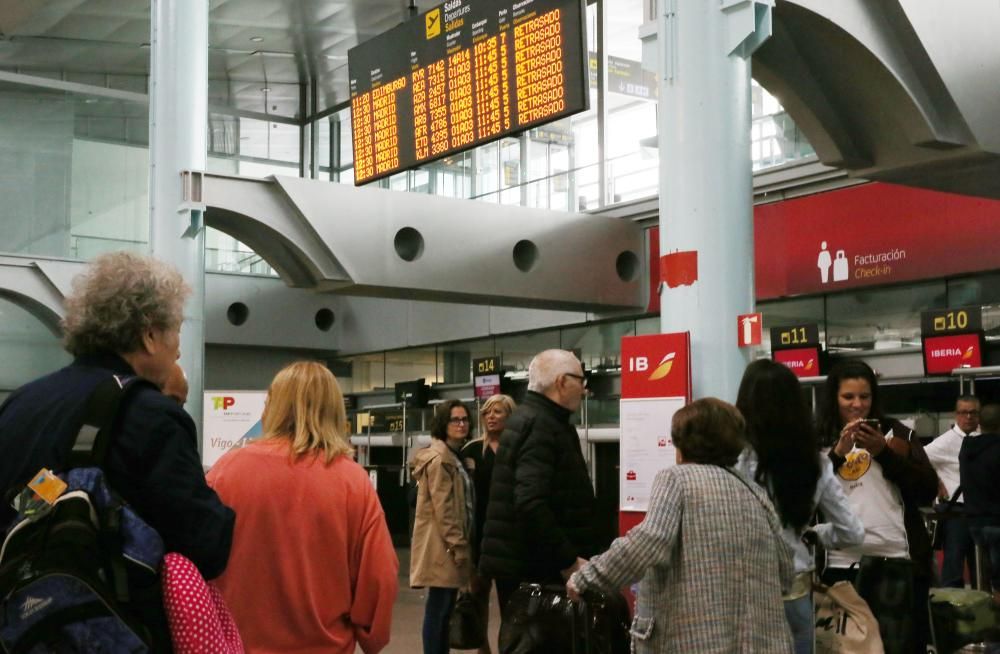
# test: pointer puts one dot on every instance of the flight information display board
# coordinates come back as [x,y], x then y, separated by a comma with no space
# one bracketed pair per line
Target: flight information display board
[464,73]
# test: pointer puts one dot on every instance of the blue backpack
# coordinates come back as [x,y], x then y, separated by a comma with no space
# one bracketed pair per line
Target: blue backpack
[80,576]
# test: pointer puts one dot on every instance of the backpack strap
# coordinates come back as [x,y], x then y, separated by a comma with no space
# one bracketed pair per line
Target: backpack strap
[90,446]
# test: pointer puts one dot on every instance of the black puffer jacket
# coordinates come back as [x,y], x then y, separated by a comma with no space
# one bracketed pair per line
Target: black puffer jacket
[541,511]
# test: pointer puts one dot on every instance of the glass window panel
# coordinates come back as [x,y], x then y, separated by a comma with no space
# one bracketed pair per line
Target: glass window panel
[267,168]
[600,345]
[75,173]
[323,135]
[630,148]
[28,348]
[455,359]
[223,253]
[367,373]
[518,350]
[488,169]
[267,140]
[650,325]
[407,365]
[981,289]
[880,318]
[774,137]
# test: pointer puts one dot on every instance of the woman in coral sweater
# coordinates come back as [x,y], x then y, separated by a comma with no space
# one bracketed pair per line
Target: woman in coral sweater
[312,567]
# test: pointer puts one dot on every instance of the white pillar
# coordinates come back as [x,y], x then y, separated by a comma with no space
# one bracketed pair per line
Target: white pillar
[706,190]
[178,113]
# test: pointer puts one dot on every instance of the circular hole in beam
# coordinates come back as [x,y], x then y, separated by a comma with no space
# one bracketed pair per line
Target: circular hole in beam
[525,255]
[237,313]
[627,266]
[409,244]
[324,320]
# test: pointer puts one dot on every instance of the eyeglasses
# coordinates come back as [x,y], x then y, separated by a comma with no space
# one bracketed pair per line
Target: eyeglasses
[580,378]
[459,421]
[968,414]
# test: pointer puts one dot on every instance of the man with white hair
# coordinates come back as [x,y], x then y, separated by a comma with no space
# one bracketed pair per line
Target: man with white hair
[539,522]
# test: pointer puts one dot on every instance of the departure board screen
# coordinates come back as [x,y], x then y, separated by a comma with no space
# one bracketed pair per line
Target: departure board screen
[464,73]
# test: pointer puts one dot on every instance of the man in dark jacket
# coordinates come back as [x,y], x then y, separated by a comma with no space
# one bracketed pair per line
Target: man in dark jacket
[123,319]
[539,522]
[979,468]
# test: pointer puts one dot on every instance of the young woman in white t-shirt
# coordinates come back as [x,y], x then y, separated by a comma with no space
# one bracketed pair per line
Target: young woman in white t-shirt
[886,476]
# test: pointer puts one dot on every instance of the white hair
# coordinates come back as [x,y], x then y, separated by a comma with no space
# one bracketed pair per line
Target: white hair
[546,367]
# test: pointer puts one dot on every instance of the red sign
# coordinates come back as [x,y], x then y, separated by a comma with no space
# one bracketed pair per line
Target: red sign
[748,329]
[942,354]
[656,365]
[871,234]
[803,361]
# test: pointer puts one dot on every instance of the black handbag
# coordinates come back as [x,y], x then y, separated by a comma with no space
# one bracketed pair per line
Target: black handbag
[541,619]
[465,626]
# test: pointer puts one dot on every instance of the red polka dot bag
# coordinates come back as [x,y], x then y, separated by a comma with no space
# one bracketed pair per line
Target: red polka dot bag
[199,621]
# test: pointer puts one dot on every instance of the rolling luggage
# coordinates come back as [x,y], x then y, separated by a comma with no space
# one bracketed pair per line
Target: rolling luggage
[960,616]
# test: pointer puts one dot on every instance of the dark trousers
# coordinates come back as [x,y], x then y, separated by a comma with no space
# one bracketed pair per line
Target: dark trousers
[959,550]
[437,613]
[905,629]
[988,537]
[505,588]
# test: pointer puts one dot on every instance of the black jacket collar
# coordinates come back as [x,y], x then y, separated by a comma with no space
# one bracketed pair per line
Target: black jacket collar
[558,411]
[105,359]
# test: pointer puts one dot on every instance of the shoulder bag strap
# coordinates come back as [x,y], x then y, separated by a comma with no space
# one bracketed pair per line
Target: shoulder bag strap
[90,446]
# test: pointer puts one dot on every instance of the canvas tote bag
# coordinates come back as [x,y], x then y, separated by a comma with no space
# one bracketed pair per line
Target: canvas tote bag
[844,623]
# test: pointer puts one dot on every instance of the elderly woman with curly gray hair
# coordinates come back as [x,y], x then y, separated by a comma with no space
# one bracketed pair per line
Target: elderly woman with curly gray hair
[122,321]
[709,554]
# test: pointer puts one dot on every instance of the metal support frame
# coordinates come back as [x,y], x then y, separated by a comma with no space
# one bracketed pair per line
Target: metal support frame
[178,107]
[706,180]
[602,107]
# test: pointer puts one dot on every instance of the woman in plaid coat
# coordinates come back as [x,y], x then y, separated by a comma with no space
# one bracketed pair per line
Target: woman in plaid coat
[709,554]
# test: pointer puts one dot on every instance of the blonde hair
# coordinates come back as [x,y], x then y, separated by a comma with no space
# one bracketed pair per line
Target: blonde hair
[505,402]
[117,298]
[305,406]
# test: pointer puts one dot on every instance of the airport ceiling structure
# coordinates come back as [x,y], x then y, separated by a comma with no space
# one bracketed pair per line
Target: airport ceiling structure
[897,90]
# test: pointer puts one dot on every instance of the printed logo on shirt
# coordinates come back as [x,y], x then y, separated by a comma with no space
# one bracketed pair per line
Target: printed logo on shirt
[857,464]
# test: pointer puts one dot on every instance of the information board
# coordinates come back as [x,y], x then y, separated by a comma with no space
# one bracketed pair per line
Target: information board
[486,377]
[464,73]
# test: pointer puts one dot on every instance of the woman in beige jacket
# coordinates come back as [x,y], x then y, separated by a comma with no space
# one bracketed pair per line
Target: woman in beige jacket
[442,528]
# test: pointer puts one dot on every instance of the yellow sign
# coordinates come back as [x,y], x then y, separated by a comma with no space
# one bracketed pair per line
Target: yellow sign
[432,21]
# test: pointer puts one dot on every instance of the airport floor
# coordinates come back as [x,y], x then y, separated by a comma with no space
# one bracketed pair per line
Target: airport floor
[408,614]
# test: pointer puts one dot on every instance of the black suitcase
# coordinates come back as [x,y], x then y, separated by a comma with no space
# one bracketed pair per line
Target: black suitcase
[541,619]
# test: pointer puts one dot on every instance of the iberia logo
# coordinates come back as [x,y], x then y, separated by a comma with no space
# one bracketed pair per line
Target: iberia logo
[967,354]
[857,464]
[663,369]
[810,364]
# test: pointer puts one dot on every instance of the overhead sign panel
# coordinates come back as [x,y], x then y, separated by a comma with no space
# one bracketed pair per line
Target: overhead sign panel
[465,73]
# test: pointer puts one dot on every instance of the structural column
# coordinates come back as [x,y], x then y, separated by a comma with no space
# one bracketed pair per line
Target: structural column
[178,111]
[706,190]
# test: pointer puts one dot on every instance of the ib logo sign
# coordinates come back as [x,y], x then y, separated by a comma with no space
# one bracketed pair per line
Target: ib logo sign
[641,364]
[655,365]
[222,403]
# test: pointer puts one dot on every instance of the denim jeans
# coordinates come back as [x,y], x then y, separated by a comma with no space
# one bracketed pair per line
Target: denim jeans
[437,613]
[800,617]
